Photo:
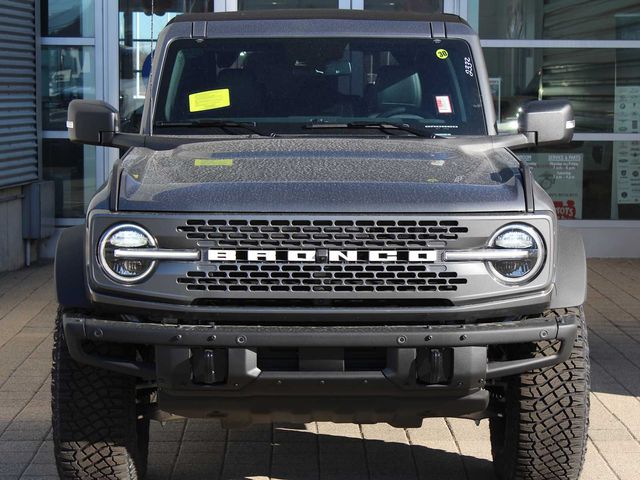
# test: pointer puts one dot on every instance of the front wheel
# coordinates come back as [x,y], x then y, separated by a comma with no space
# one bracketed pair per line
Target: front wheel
[97,433]
[542,433]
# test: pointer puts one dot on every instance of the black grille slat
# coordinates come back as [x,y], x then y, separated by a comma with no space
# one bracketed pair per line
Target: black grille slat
[338,234]
[300,277]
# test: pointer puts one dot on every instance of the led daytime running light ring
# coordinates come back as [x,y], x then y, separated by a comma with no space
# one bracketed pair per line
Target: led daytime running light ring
[541,254]
[102,246]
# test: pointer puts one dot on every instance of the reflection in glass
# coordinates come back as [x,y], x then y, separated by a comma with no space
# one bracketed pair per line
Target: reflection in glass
[558,19]
[135,45]
[72,167]
[67,73]
[427,6]
[592,79]
[590,180]
[67,18]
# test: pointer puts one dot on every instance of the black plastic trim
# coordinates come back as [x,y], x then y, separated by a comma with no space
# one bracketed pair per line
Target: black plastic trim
[70,276]
[79,328]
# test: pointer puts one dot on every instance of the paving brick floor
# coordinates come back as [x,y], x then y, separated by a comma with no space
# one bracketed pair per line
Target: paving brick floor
[442,449]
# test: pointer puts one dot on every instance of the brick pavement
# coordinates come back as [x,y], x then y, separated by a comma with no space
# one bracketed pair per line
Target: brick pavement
[442,449]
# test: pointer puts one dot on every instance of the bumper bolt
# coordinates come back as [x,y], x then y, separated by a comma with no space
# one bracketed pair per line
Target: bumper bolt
[176,338]
[98,333]
[211,338]
[241,340]
[544,334]
[463,338]
[402,339]
[428,338]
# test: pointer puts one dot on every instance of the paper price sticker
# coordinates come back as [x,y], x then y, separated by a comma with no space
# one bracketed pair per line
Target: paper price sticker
[442,54]
[209,100]
[444,104]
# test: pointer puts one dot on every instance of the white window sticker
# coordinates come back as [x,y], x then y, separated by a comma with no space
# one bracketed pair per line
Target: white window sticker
[444,104]
[468,66]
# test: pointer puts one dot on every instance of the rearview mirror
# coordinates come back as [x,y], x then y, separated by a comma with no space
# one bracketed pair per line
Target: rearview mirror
[338,68]
[92,122]
[549,121]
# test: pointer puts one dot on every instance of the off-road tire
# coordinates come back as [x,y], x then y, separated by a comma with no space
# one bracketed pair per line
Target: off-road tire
[543,433]
[96,431]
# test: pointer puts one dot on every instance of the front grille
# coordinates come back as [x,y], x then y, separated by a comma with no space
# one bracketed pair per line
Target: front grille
[321,278]
[303,277]
[335,234]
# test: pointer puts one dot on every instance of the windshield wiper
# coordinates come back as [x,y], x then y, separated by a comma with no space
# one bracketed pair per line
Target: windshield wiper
[405,127]
[226,125]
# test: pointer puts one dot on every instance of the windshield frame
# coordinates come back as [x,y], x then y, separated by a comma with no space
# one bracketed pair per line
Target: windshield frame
[424,28]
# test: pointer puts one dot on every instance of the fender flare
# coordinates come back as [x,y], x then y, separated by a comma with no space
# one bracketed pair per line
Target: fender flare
[69,268]
[571,270]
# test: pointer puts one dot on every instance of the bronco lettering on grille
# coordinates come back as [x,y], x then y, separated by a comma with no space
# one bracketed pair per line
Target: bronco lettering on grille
[322,256]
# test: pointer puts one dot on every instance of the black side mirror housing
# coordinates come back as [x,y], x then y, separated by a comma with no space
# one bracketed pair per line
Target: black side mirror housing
[92,122]
[549,121]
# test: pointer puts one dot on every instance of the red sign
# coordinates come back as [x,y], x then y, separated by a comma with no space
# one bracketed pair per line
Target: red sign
[565,211]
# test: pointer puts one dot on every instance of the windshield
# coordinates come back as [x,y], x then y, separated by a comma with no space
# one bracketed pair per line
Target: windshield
[291,85]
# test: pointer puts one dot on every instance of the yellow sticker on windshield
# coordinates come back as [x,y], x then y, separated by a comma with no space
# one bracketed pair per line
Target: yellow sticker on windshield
[213,162]
[442,54]
[209,100]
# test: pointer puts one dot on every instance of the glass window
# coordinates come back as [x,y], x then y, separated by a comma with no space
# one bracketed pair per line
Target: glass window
[67,18]
[135,45]
[72,167]
[427,6]
[590,180]
[135,52]
[595,81]
[286,83]
[279,4]
[558,19]
[67,73]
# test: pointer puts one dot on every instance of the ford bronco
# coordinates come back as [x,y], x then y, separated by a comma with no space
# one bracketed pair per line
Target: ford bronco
[319,221]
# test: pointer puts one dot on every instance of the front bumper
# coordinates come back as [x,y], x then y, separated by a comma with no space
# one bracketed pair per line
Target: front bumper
[245,393]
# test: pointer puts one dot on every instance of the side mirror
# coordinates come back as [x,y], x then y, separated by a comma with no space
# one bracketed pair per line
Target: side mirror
[92,122]
[549,121]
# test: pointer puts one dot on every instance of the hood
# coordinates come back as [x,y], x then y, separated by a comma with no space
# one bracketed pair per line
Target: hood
[328,175]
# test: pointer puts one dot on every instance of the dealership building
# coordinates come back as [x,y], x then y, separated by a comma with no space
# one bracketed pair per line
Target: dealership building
[54,51]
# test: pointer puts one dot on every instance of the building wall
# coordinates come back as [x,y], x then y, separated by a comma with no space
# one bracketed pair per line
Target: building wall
[11,243]
[19,163]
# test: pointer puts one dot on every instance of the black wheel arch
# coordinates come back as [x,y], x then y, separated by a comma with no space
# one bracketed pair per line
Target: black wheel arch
[70,268]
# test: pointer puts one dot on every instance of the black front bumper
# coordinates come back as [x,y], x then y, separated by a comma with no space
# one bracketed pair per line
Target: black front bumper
[393,394]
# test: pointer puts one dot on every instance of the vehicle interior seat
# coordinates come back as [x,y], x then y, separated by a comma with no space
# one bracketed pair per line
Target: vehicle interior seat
[397,90]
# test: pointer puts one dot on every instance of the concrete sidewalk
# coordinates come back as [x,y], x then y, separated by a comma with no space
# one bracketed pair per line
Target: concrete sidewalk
[442,449]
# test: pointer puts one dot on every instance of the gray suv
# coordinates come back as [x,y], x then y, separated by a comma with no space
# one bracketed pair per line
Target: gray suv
[318,221]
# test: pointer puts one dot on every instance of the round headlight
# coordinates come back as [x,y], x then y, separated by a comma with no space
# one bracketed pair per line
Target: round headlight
[527,245]
[129,237]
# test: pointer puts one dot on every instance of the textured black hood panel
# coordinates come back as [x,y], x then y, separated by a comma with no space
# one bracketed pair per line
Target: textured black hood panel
[321,175]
